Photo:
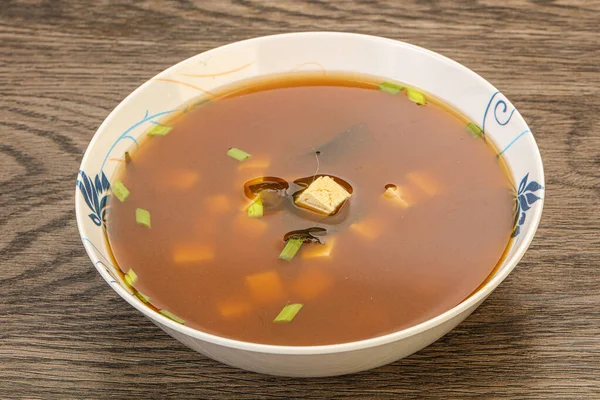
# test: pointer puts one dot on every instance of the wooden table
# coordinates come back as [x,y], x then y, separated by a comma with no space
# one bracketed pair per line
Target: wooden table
[65,65]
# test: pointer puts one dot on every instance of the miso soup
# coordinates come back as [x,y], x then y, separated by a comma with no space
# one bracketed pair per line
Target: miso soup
[309,210]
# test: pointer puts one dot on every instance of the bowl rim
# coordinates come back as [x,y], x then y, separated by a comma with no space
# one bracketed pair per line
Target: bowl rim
[464,306]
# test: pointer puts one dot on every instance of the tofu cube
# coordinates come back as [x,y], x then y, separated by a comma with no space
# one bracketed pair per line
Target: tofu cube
[324,196]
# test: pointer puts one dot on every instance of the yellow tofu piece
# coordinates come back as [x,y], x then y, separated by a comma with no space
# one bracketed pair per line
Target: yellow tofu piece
[395,195]
[266,287]
[233,308]
[189,253]
[324,196]
[218,204]
[425,182]
[315,250]
[311,283]
[370,228]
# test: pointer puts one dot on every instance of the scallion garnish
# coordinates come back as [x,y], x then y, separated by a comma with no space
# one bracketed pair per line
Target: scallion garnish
[288,313]
[160,130]
[474,130]
[390,88]
[119,190]
[172,316]
[142,297]
[416,97]
[130,277]
[142,217]
[256,209]
[238,154]
[291,248]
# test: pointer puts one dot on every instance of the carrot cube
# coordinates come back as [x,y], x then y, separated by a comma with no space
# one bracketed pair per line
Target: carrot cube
[315,250]
[189,253]
[266,287]
[234,308]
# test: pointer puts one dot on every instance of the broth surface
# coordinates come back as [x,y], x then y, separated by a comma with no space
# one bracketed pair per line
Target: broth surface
[396,267]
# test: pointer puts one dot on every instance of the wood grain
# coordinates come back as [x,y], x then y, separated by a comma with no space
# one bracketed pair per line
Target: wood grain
[64,65]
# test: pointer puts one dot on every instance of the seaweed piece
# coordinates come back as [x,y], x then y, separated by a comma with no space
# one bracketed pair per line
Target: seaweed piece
[308,235]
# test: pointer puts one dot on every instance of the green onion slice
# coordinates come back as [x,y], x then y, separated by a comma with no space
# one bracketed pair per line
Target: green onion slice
[238,154]
[160,130]
[142,217]
[142,297]
[288,313]
[119,190]
[172,316]
[474,130]
[390,88]
[256,209]
[130,277]
[291,248]
[416,97]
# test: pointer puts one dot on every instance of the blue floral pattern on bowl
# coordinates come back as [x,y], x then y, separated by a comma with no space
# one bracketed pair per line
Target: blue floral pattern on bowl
[95,194]
[525,198]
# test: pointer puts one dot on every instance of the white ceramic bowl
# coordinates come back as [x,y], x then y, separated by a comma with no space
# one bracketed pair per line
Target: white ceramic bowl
[165,94]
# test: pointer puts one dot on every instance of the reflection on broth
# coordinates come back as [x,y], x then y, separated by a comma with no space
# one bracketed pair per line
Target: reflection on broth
[310,210]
